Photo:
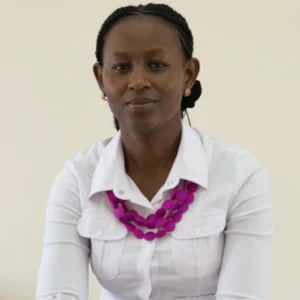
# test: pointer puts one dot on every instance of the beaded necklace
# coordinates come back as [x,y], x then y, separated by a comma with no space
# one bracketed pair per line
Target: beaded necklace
[164,219]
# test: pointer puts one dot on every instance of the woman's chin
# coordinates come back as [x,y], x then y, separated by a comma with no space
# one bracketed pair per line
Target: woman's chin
[141,125]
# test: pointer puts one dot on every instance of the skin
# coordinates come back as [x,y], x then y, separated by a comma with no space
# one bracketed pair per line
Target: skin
[143,58]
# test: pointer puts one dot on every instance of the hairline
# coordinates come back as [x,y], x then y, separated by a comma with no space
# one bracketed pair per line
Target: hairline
[142,14]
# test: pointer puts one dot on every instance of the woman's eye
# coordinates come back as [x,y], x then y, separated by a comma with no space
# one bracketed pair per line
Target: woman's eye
[156,65]
[122,67]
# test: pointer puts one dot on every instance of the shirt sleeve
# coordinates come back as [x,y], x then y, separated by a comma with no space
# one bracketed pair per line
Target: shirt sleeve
[63,271]
[247,259]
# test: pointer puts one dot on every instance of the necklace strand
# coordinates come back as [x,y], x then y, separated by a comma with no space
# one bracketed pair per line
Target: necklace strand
[163,220]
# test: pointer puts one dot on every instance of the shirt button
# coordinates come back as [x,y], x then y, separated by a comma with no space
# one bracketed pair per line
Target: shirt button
[170,182]
[54,297]
[100,233]
[121,192]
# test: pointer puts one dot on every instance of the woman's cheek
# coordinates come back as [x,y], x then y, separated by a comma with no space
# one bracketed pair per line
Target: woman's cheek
[171,85]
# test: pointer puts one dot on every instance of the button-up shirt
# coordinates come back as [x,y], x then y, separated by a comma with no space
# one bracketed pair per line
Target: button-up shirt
[220,250]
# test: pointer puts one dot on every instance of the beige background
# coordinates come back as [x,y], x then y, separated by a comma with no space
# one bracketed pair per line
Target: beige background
[51,109]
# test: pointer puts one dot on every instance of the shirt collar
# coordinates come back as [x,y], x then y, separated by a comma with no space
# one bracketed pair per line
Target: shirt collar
[190,164]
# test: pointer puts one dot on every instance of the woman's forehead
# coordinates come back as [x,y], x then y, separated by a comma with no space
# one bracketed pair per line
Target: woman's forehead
[142,34]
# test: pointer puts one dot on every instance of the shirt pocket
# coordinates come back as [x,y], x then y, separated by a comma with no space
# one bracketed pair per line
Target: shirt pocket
[197,245]
[107,236]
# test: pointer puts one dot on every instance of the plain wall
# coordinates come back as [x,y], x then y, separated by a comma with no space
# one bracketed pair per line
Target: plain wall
[51,109]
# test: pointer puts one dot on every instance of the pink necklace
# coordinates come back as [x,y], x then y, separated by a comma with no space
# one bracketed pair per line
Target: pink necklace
[164,219]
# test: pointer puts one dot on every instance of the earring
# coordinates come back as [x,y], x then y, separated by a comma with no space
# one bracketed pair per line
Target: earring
[104,97]
[187,92]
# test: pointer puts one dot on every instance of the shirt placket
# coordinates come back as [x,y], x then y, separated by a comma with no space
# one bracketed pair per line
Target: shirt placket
[144,268]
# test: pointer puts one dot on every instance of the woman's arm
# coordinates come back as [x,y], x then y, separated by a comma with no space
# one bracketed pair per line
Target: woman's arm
[63,273]
[247,260]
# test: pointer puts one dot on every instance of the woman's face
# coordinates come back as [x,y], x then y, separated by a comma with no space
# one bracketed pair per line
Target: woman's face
[144,73]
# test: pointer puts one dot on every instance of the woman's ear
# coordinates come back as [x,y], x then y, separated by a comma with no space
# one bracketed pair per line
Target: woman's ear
[192,69]
[97,68]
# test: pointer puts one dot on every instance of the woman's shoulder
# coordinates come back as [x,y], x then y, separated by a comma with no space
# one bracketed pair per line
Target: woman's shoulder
[93,150]
[84,162]
[224,153]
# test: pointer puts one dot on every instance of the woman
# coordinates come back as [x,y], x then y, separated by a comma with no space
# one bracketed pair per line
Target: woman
[161,210]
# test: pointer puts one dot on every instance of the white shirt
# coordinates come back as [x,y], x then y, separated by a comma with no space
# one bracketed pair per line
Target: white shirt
[220,250]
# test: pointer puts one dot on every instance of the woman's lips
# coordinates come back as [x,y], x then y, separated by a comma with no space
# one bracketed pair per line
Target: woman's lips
[138,101]
[141,103]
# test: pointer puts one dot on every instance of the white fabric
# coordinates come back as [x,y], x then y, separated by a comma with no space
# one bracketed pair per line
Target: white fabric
[221,249]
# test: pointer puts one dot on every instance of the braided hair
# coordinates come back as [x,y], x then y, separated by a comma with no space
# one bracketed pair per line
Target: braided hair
[167,13]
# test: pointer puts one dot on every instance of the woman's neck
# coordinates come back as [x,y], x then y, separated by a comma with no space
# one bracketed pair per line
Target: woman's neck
[147,154]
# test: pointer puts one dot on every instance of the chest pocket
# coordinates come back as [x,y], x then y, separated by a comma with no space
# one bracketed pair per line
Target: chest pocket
[107,236]
[197,245]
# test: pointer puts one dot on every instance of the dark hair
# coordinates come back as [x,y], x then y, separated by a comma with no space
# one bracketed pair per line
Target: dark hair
[167,13]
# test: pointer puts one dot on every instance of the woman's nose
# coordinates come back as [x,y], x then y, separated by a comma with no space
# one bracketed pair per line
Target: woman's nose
[138,79]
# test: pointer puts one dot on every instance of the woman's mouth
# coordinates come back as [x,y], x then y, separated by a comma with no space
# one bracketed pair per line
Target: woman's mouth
[141,104]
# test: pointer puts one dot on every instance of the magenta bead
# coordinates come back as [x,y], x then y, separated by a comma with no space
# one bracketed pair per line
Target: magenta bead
[111,196]
[151,218]
[177,217]
[127,217]
[130,227]
[170,226]
[160,222]
[150,236]
[190,198]
[183,207]
[138,233]
[112,199]
[114,204]
[139,219]
[167,204]
[161,233]
[132,211]
[160,212]
[169,214]
[176,204]
[124,207]
[149,225]
[185,184]
[181,195]
[192,187]
[173,195]
[119,212]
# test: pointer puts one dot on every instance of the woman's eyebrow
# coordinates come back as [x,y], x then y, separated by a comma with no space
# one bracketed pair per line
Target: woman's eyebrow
[120,54]
[156,51]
